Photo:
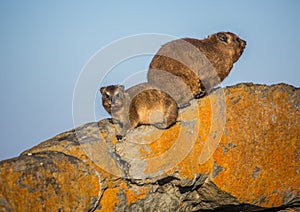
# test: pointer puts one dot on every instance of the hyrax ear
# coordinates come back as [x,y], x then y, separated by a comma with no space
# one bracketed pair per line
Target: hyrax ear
[222,37]
[102,89]
[121,87]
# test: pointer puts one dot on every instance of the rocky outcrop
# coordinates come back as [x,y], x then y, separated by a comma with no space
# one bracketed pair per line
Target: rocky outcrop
[234,150]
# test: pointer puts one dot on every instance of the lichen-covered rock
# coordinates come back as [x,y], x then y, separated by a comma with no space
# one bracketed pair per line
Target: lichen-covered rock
[234,150]
[48,181]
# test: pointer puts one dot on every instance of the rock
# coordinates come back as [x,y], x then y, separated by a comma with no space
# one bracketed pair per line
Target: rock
[234,150]
[48,180]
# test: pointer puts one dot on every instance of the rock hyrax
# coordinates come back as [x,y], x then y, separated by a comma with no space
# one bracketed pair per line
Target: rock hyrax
[139,105]
[190,68]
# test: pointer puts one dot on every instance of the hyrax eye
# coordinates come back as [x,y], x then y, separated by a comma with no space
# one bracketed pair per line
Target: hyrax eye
[106,96]
[117,95]
[222,37]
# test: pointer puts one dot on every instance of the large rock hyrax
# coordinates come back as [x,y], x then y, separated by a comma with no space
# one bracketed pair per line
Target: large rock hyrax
[190,68]
[139,105]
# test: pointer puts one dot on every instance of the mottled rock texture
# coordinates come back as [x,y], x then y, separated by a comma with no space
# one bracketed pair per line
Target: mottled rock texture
[237,149]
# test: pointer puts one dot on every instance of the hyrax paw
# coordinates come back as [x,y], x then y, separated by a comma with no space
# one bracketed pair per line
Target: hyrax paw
[119,137]
[200,94]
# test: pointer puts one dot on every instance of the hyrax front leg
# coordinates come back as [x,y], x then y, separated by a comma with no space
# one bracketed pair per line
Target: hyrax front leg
[120,134]
[122,131]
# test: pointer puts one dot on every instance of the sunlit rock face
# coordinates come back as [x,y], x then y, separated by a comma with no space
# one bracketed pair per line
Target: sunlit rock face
[235,149]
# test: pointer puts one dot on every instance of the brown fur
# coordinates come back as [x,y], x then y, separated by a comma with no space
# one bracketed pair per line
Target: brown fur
[188,68]
[139,105]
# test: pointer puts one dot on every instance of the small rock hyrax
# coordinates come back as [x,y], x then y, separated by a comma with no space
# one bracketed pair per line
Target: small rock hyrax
[139,105]
[190,68]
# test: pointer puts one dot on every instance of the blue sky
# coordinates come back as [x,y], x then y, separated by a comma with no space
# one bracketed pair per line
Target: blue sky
[45,45]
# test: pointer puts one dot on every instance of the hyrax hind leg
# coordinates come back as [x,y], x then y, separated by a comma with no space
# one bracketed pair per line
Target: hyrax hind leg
[201,91]
[169,117]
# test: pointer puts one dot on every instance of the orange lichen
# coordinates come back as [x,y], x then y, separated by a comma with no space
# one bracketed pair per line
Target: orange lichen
[48,182]
[135,195]
[160,145]
[111,195]
[268,150]
[109,199]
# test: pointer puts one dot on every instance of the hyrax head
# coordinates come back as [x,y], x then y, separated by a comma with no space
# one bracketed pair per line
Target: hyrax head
[113,97]
[230,43]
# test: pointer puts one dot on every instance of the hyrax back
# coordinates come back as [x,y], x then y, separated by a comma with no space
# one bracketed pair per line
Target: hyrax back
[139,105]
[188,68]
[153,107]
